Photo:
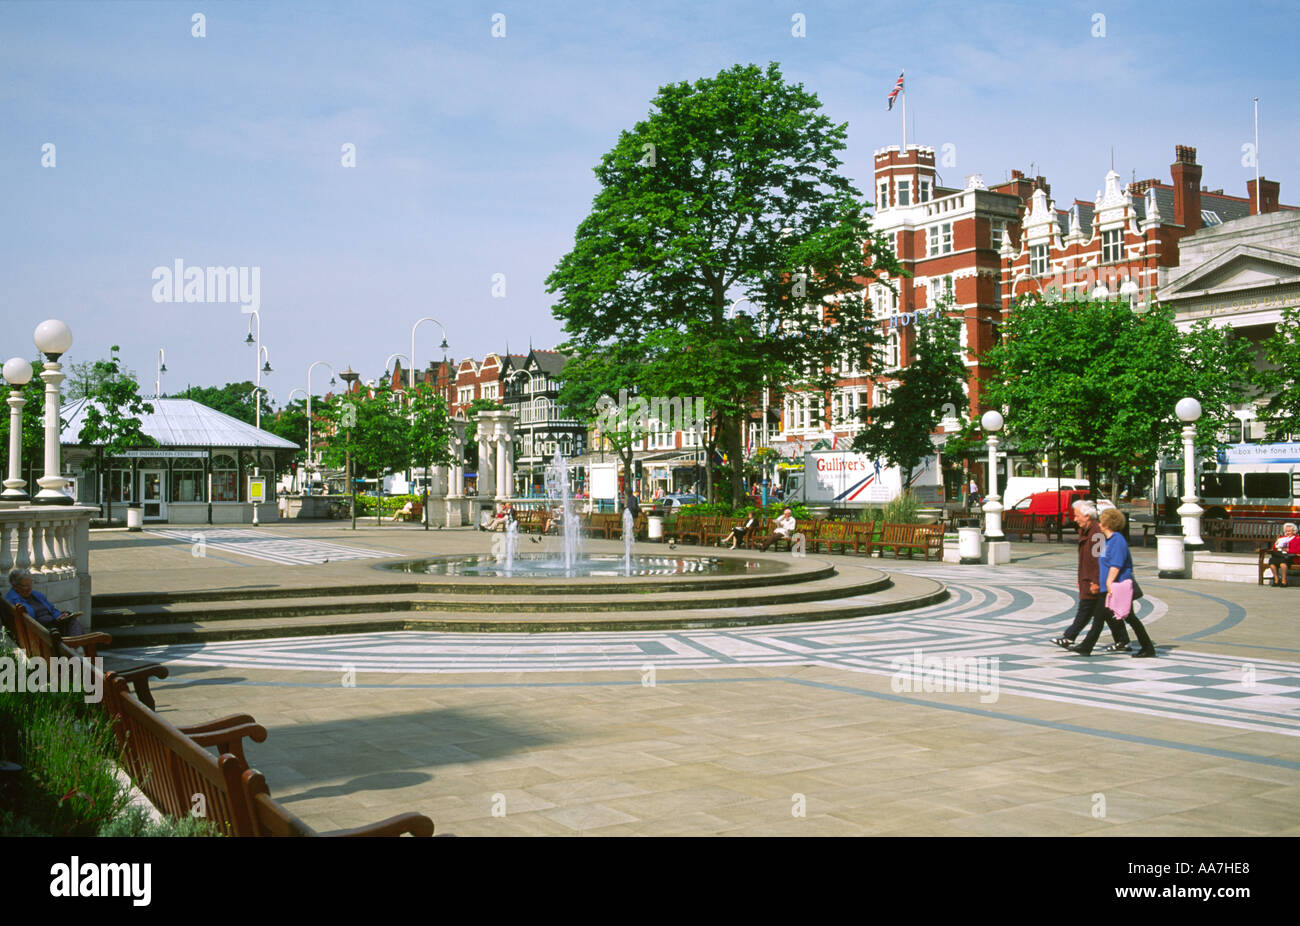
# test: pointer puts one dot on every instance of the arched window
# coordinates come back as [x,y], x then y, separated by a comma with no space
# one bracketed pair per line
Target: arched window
[225,478]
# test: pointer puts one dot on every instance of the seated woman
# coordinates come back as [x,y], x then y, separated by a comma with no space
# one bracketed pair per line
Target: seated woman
[741,531]
[1285,552]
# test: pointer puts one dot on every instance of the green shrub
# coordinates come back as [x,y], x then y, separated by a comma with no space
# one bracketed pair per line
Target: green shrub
[135,821]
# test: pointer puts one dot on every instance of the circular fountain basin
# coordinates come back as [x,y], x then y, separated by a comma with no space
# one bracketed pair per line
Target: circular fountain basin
[590,565]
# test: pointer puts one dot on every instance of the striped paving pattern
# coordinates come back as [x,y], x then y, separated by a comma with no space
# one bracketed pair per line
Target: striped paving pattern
[984,625]
[285,551]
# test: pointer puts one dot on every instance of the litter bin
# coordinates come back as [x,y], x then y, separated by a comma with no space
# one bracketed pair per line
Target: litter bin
[970,543]
[655,528]
[1171,557]
[134,517]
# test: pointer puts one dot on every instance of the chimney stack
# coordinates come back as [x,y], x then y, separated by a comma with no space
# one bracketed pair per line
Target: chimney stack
[1269,193]
[1186,174]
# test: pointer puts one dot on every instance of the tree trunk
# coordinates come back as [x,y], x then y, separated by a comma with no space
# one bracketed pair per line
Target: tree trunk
[736,453]
[108,489]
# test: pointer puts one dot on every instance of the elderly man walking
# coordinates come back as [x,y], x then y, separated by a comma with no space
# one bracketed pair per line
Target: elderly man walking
[1091,543]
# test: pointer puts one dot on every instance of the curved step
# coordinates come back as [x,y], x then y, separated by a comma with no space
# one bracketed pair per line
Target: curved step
[904,593]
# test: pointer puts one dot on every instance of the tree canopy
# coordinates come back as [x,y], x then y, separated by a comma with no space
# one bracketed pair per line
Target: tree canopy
[1098,382]
[233,399]
[729,190]
[1280,378]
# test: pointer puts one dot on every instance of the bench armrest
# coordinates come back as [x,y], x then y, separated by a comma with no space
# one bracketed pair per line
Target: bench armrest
[90,642]
[417,824]
[231,739]
[222,723]
[138,679]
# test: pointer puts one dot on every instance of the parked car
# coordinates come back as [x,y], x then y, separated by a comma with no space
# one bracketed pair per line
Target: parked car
[670,502]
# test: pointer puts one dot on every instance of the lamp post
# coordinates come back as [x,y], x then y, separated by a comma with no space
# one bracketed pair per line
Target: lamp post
[404,357]
[311,460]
[1189,411]
[992,423]
[162,368]
[52,339]
[349,377]
[411,357]
[17,373]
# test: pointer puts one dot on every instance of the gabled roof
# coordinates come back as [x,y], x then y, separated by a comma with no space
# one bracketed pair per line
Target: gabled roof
[1242,266]
[182,423]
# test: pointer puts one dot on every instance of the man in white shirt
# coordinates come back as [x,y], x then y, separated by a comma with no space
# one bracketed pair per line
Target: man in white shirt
[784,528]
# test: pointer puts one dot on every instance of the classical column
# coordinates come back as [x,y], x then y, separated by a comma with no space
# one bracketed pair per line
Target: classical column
[15,485]
[503,466]
[52,483]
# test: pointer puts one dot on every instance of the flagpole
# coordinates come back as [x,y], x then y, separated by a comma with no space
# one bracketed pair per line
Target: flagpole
[1256,155]
[903,78]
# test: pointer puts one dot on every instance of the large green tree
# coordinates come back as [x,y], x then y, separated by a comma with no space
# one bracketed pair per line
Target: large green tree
[928,389]
[1280,378]
[233,399]
[1098,382]
[112,422]
[290,422]
[729,189]
[84,377]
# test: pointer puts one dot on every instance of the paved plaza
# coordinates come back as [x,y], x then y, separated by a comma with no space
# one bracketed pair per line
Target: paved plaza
[957,718]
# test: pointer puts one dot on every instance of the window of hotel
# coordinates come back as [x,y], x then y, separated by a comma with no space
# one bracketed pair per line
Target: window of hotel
[1038,259]
[187,481]
[948,290]
[941,239]
[225,478]
[905,192]
[999,234]
[490,390]
[893,352]
[465,395]
[883,201]
[1112,246]
[923,191]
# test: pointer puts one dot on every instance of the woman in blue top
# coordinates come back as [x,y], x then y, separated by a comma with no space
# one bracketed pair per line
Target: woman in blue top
[1116,574]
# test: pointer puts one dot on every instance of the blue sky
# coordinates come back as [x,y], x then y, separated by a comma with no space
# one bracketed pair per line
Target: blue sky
[474,153]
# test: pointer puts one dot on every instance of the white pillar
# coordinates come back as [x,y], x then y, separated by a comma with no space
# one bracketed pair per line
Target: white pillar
[15,485]
[1189,510]
[503,467]
[992,507]
[52,482]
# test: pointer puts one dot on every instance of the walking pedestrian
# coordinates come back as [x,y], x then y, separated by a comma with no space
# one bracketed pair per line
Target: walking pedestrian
[1091,540]
[1115,569]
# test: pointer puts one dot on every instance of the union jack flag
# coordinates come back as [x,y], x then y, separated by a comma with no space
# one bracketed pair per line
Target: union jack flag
[897,88]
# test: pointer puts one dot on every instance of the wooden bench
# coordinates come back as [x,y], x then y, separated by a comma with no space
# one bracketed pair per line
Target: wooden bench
[829,533]
[1023,524]
[37,640]
[638,526]
[720,529]
[1253,532]
[861,534]
[174,769]
[416,513]
[602,524]
[923,538]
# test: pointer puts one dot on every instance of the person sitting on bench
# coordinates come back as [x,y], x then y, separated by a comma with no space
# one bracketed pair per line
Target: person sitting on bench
[784,528]
[39,607]
[1286,552]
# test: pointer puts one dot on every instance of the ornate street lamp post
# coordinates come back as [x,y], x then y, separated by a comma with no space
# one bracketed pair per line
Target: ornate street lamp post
[1189,411]
[311,460]
[52,339]
[18,373]
[349,377]
[992,424]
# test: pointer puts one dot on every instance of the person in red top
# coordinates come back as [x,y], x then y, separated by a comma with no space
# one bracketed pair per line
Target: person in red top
[1286,552]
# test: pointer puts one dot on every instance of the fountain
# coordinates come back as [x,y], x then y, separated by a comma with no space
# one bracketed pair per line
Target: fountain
[557,489]
[512,545]
[628,524]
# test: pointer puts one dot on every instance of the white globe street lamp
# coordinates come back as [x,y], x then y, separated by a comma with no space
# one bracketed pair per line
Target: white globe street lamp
[52,338]
[992,423]
[1189,412]
[17,373]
